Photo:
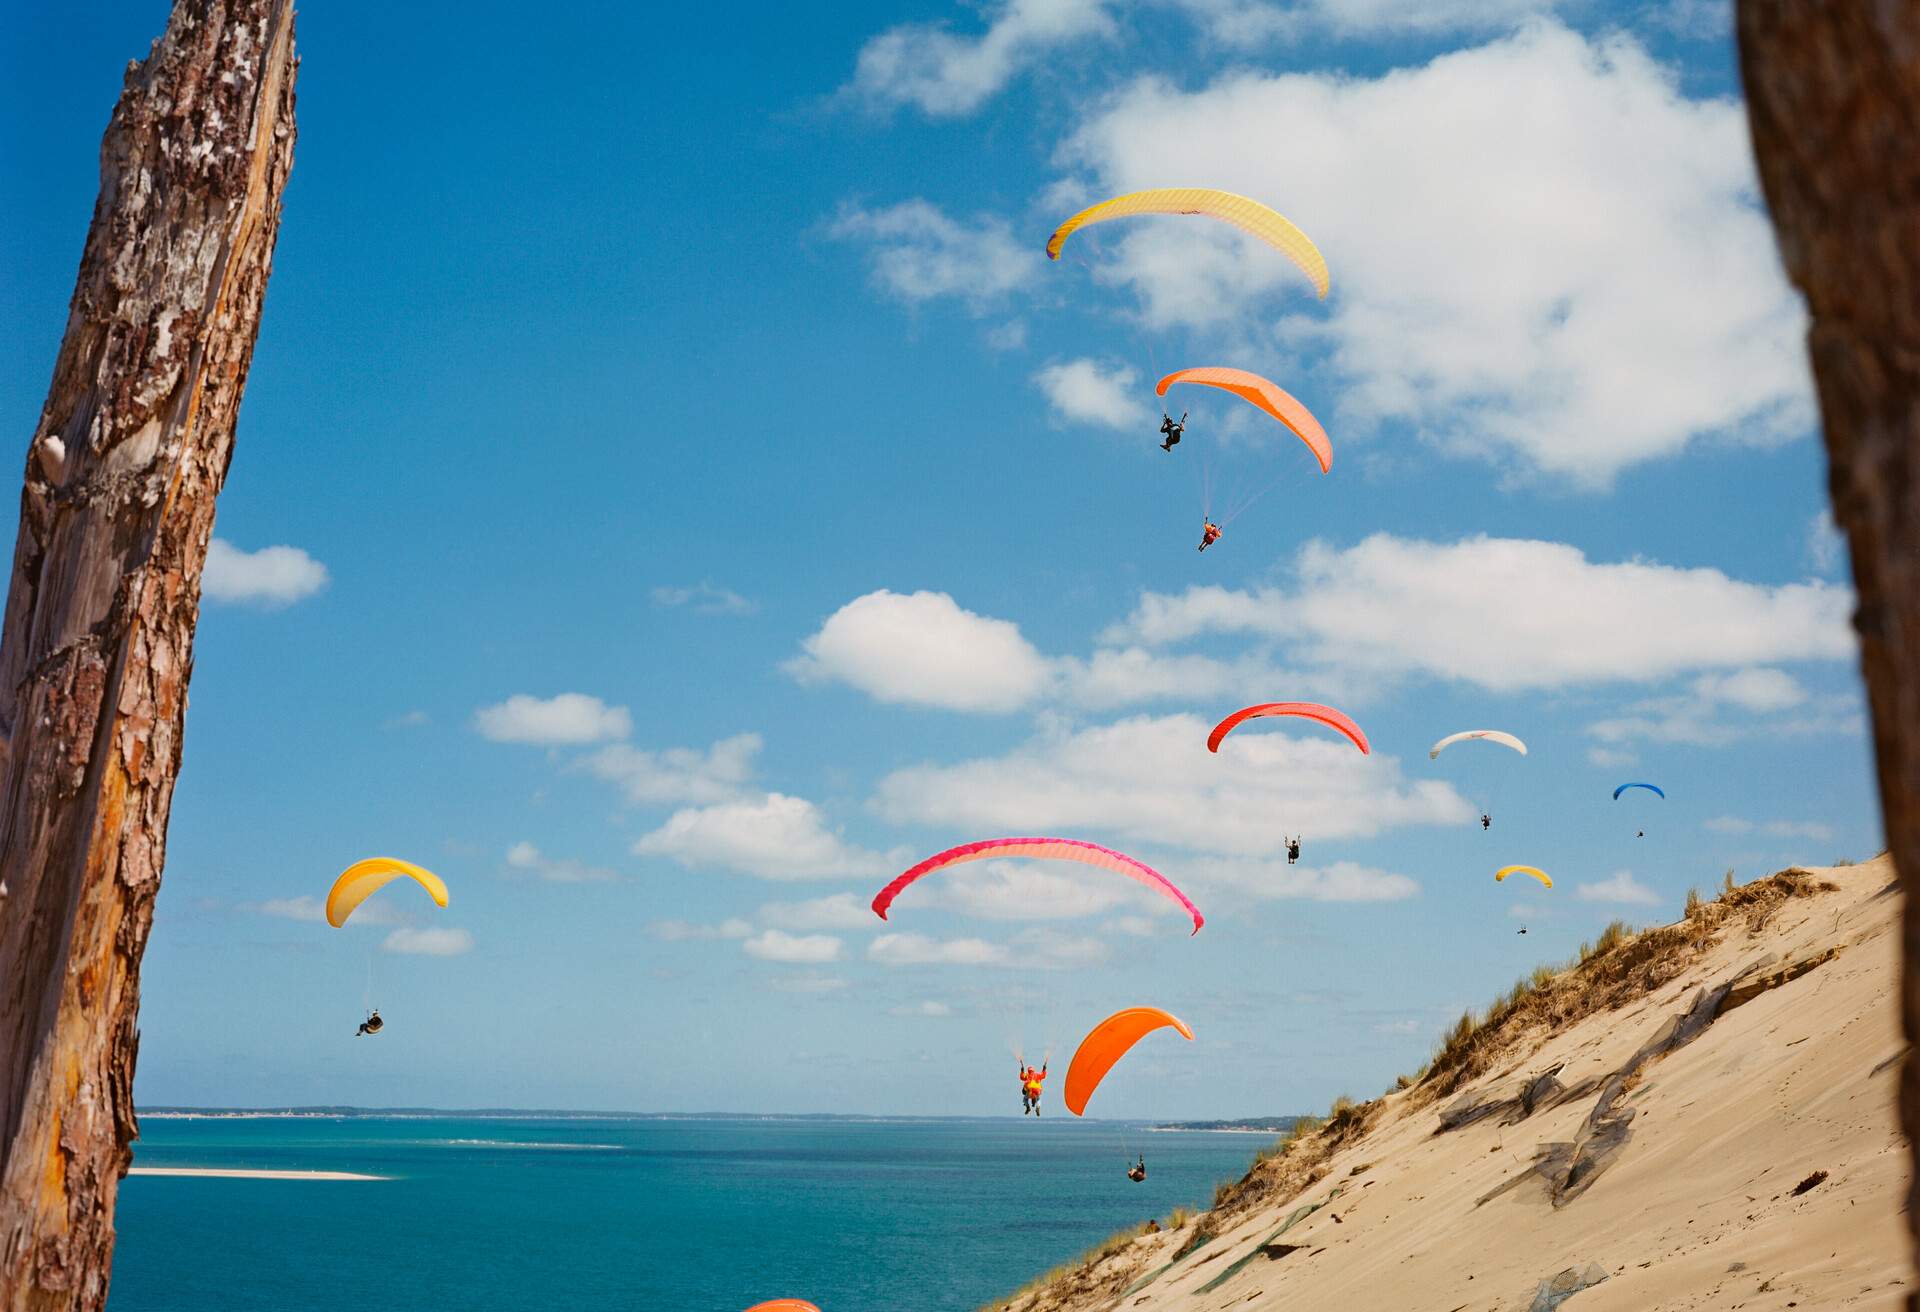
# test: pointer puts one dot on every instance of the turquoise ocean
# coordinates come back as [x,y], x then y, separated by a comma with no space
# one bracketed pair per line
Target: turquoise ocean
[501,1213]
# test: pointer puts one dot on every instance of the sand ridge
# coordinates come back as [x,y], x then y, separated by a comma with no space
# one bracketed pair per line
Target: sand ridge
[1791,1072]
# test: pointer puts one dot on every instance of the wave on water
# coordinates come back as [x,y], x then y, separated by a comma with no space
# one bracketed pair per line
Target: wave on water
[547,1145]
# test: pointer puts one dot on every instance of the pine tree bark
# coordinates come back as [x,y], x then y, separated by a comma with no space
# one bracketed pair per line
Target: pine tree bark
[97,644]
[1833,98]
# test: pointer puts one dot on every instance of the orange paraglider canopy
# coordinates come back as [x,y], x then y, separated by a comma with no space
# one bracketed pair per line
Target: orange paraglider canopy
[784,1305]
[1335,720]
[1264,395]
[1109,1041]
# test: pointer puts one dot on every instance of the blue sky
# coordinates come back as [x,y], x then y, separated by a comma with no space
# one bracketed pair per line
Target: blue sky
[675,493]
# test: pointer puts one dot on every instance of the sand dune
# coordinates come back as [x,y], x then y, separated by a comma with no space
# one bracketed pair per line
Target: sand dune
[221,1173]
[1725,1138]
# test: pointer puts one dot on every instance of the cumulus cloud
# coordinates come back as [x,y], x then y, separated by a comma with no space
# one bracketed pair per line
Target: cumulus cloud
[794,949]
[309,908]
[944,74]
[1152,780]
[271,577]
[681,931]
[1509,614]
[921,950]
[1087,391]
[304,907]
[1826,545]
[531,860]
[927,1008]
[835,911]
[923,649]
[1729,824]
[918,253]
[568,719]
[1619,887]
[1342,881]
[773,837]
[1545,254]
[1718,709]
[429,942]
[811,982]
[678,774]
[705,599]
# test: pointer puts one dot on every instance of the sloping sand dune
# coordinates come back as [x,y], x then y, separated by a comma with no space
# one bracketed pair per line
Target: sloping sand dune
[1678,1147]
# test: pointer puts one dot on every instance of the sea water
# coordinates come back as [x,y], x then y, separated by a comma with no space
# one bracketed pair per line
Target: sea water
[502,1214]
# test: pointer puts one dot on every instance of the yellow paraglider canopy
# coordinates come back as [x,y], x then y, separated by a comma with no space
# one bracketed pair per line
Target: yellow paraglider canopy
[1537,873]
[363,879]
[1250,216]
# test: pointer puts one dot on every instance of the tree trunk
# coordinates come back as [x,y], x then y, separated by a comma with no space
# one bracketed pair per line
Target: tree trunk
[97,643]
[1833,96]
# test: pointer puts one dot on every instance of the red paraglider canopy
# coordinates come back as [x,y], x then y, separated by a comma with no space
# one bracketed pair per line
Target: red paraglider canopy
[1326,715]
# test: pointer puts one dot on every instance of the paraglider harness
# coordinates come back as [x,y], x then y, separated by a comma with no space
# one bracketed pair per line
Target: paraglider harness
[1030,1087]
[1293,850]
[1486,821]
[371,1025]
[1173,431]
[1138,1171]
[1209,535]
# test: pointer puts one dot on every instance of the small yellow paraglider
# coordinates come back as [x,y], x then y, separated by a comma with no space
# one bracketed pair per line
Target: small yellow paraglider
[1541,875]
[362,880]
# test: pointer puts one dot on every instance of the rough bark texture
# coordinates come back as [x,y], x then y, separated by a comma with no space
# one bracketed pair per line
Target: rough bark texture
[97,646]
[1833,96]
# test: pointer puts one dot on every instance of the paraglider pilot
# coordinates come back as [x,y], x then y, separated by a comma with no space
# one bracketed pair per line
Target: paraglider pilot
[1210,534]
[1486,821]
[1174,432]
[371,1025]
[1293,850]
[1030,1082]
[1138,1171]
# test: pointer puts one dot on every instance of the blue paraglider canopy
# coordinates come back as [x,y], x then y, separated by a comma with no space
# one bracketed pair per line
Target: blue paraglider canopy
[1655,789]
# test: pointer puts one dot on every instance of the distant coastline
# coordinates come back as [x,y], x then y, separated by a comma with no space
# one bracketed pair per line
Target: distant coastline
[176,1112]
[1248,1125]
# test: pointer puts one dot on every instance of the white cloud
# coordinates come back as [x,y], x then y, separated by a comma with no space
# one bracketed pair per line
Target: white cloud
[1543,253]
[1089,392]
[1728,824]
[774,837]
[1608,758]
[928,1008]
[919,253]
[943,74]
[923,649]
[920,950]
[835,911]
[527,857]
[567,719]
[429,942]
[794,949]
[1621,887]
[1509,614]
[1009,336]
[1719,709]
[270,577]
[1342,881]
[678,774]
[1151,779]
[1826,544]
[415,719]
[706,599]
[1398,1027]
[811,982]
[304,907]
[681,931]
